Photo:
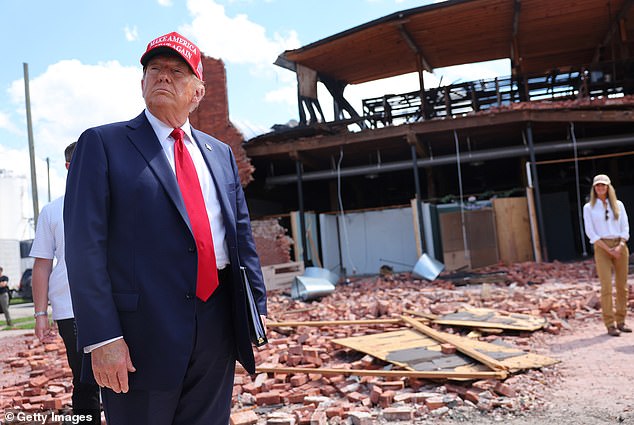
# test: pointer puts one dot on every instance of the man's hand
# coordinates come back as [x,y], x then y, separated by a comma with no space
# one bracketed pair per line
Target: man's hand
[43,329]
[111,364]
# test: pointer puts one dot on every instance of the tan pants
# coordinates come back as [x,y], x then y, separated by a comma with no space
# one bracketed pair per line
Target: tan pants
[612,314]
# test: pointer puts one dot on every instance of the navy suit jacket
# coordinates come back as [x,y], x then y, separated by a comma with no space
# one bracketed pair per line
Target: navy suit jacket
[130,249]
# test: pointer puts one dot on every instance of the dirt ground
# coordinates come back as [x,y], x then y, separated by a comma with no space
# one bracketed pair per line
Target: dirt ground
[594,385]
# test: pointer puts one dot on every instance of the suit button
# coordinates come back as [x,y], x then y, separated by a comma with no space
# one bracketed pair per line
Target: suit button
[189,296]
[191,249]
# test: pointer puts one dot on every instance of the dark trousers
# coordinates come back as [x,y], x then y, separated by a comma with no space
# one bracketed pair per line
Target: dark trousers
[204,397]
[85,396]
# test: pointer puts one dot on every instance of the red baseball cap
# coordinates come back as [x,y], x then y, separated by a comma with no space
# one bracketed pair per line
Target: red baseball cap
[179,44]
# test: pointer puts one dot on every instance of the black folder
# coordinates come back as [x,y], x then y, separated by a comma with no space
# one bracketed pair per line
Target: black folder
[256,327]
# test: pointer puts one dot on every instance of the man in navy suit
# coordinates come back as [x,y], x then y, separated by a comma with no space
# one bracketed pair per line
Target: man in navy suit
[156,229]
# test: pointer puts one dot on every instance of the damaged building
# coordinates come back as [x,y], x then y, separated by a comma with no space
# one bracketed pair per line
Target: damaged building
[473,172]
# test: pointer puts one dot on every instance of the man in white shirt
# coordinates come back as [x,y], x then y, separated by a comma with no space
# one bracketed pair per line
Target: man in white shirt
[50,283]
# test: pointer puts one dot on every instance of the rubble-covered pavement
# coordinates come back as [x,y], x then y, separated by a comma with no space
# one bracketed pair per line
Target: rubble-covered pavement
[566,295]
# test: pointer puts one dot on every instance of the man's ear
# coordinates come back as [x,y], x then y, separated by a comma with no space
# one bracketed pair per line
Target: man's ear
[199,94]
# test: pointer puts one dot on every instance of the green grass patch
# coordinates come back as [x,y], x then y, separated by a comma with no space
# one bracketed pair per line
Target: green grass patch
[20,323]
[18,300]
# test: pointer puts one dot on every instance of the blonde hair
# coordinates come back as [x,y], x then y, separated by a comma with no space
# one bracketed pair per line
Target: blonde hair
[611,199]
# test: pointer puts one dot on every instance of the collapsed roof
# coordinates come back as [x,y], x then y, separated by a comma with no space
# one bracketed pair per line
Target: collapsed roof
[536,35]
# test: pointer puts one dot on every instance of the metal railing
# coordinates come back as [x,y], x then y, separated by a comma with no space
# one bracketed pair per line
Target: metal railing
[599,80]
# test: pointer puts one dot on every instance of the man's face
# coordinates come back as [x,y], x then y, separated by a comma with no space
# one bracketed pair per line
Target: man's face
[169,86]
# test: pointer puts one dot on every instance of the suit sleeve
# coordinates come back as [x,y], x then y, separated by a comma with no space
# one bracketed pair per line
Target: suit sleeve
[246,245]
[86,207]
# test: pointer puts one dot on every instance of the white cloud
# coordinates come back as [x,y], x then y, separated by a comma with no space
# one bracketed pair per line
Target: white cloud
[239,41]
[5,122]
[165,3]
[131,34]
[70,97]
[249,129]
[235,39]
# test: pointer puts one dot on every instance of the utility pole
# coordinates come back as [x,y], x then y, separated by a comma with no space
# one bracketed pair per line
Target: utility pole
[29,125]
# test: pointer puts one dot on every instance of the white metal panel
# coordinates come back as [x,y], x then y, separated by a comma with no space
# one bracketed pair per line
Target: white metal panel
[369,240]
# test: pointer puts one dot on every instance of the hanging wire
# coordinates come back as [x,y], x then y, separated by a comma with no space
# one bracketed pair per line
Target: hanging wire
[341,212]
[579,208]
[462,217]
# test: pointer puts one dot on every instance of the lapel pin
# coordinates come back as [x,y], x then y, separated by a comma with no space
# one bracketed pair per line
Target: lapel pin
[207,146]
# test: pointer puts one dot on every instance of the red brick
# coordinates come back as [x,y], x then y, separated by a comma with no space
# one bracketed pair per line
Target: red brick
[319,418]
[448,348]
[386,399]
[434,403]
[398,414]
[280,418]
[299,380]
[375,394]
[293,397]
[504,389]
[392,385]
[334,411]
[251,388]
[54,403]
[360,418]
[247,417]
[472,396]
[268,398]
[39,381]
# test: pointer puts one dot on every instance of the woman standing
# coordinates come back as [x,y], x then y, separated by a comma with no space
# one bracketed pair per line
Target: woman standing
[607,228]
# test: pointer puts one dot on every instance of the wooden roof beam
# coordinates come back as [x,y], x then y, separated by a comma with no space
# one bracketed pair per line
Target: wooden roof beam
[413,139]
[305,158]
[413,46]
[614,26]
[515,44]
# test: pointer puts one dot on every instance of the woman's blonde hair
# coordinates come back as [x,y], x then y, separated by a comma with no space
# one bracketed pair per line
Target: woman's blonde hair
[611,198]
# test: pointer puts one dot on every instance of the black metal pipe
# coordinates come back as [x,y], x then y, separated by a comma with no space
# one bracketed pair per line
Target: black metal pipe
[302,219]
[509,152]
[419,206]
[538,202]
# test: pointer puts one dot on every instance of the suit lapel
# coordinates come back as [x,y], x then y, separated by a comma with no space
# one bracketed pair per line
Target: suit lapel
[144,139]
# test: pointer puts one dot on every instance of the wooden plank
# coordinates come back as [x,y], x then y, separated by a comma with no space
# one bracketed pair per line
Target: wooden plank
[417,232]
[451,339]
[532,218]
[513,229]
[386,373]
[280,276]
[318,323]
[481,237]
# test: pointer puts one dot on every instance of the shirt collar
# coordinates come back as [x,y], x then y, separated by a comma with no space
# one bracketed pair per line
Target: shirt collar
[163,130]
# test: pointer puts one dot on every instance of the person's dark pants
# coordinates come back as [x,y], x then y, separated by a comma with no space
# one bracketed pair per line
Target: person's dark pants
[85,396]
[204,397]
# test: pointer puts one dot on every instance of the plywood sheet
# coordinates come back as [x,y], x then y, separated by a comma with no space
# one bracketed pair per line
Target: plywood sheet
[513,229]
[488,318]
[415,351]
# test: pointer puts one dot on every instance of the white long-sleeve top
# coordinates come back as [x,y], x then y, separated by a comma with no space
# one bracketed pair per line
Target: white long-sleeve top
[597,227]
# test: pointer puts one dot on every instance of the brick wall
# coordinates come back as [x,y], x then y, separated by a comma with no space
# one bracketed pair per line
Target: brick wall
[271,241]
[212,115]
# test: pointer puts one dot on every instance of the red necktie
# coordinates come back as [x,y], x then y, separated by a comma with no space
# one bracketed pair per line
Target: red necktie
[207,277]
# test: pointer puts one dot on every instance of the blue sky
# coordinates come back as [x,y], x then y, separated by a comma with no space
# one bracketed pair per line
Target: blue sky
[83,61]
